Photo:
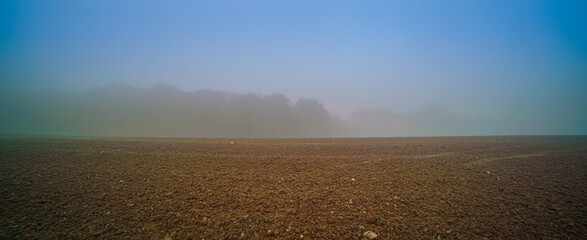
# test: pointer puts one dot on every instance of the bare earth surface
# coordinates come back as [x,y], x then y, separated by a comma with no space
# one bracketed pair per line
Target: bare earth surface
[399,188]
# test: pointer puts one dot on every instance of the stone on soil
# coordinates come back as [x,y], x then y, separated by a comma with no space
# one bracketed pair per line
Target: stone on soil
[370,234]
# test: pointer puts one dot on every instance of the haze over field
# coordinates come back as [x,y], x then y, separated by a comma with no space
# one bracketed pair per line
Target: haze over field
[293,68]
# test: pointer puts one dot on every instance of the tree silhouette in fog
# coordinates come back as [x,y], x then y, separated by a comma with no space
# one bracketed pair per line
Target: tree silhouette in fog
[162,110]
[311,119]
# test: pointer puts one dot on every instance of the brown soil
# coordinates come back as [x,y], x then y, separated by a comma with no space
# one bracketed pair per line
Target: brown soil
[399,188]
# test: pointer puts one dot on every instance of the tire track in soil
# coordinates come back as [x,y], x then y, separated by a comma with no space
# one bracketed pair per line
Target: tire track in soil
[486,160]
[436,155]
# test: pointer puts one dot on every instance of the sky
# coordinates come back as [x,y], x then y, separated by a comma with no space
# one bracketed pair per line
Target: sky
[520,67]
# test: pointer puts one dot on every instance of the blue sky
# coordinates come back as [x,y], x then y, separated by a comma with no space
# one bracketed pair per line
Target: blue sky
[520,60]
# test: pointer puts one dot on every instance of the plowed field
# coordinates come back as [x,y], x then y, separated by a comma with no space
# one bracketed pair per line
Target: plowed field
[399,188]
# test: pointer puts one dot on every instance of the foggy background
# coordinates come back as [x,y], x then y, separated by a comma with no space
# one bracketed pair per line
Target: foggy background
[166,111]
[293,68]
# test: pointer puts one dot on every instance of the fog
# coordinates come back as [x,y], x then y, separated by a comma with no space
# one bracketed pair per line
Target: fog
[166,111]
[293,68]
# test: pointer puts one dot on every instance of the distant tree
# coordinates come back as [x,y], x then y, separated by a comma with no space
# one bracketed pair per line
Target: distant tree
[311,119]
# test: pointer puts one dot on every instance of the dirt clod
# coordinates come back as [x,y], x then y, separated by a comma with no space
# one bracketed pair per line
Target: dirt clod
[371,218]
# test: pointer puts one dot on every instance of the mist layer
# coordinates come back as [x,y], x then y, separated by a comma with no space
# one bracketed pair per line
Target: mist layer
[167,111]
